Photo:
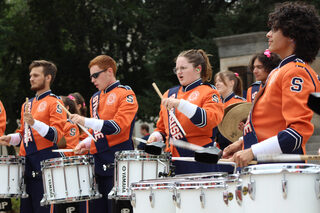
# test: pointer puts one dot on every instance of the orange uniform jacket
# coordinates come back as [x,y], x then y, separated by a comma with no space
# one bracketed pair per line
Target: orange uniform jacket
[3,119]
[117,106]
[232,99]
[253,90]
[280,108]
[71,135]
[199,128]
[43,108]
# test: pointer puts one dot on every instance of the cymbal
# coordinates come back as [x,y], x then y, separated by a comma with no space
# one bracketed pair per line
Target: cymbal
[234,114]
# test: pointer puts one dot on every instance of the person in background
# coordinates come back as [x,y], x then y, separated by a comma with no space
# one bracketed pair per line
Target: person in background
[81,108]
[229,85]
[42,122]
[144,131]
[197,106]
[280,120]
[113,110]
[261,65]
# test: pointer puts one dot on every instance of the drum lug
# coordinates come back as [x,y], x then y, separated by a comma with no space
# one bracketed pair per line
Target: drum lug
[225,197]
[238,193]
[133,199]
[318,188]
[252,189]
[151,198]
[202,199]
[176,198]
[284,184]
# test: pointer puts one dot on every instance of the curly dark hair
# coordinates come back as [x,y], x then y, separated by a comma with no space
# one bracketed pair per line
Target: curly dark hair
[300,22]
[269,63]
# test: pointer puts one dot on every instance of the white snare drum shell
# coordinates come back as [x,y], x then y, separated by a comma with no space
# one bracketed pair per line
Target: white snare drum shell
[281,188]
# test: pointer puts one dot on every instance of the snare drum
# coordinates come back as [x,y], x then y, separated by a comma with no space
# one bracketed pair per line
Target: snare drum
[133,166]
[293,188]
[68,179]
[12,177]
[216,194]
[155,196]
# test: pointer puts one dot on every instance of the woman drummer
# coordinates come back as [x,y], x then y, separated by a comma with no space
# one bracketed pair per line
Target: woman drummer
[196,105]
[229,85]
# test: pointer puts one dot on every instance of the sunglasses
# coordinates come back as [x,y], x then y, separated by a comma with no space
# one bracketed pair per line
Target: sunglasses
[96,75]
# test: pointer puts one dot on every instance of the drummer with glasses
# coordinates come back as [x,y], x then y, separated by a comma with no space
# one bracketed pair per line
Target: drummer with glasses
[197,106]
[113,111]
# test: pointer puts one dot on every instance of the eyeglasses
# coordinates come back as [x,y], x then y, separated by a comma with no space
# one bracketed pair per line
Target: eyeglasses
[175,70]
[96,75]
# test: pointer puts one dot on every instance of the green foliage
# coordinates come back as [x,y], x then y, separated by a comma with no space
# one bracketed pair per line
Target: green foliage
[143,36]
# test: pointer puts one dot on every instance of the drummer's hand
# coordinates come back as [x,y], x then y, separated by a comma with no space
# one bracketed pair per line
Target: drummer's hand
[5,140]
[27,117]
[232,148]
[170,103]
[152,139]
[80,149]
[78,119]
[243,157]
[241,126]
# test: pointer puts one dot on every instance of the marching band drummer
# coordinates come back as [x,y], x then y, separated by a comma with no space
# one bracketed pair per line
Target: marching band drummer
[261,65]
[113,110]
[69,140]
[229,85]
[197,106]
[280,120]
[45,120]
[81,107]
[71,130]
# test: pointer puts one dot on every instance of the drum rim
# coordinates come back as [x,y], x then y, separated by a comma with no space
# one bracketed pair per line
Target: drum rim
[281,168]
[67,161]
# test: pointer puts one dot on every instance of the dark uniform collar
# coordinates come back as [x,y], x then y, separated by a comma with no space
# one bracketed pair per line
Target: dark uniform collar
[224,100]
[46,93]
[112,86]
[288,59]
[192,85]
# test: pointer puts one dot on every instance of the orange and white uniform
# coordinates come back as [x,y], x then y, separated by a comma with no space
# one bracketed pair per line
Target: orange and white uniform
[71,135]
[45,109]
[117,106]
[199,111]
[253,90]
[232,99]
[280,120]
[3,119]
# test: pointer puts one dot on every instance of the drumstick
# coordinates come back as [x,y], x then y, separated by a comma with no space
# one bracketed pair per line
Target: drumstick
[26,126]
[170,112]
[140,140]
[221,161]
[185,145]
[193,147]
[286,158]
[82,127]
[62,150]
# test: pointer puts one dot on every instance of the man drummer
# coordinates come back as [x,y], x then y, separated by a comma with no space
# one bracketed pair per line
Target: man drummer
[113,110]
[280,120]
[42,122]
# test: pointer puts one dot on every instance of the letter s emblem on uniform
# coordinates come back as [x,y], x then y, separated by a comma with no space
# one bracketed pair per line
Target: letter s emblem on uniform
[72,131]
[296,83]
[130,98]
[215,98]
[59,109]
